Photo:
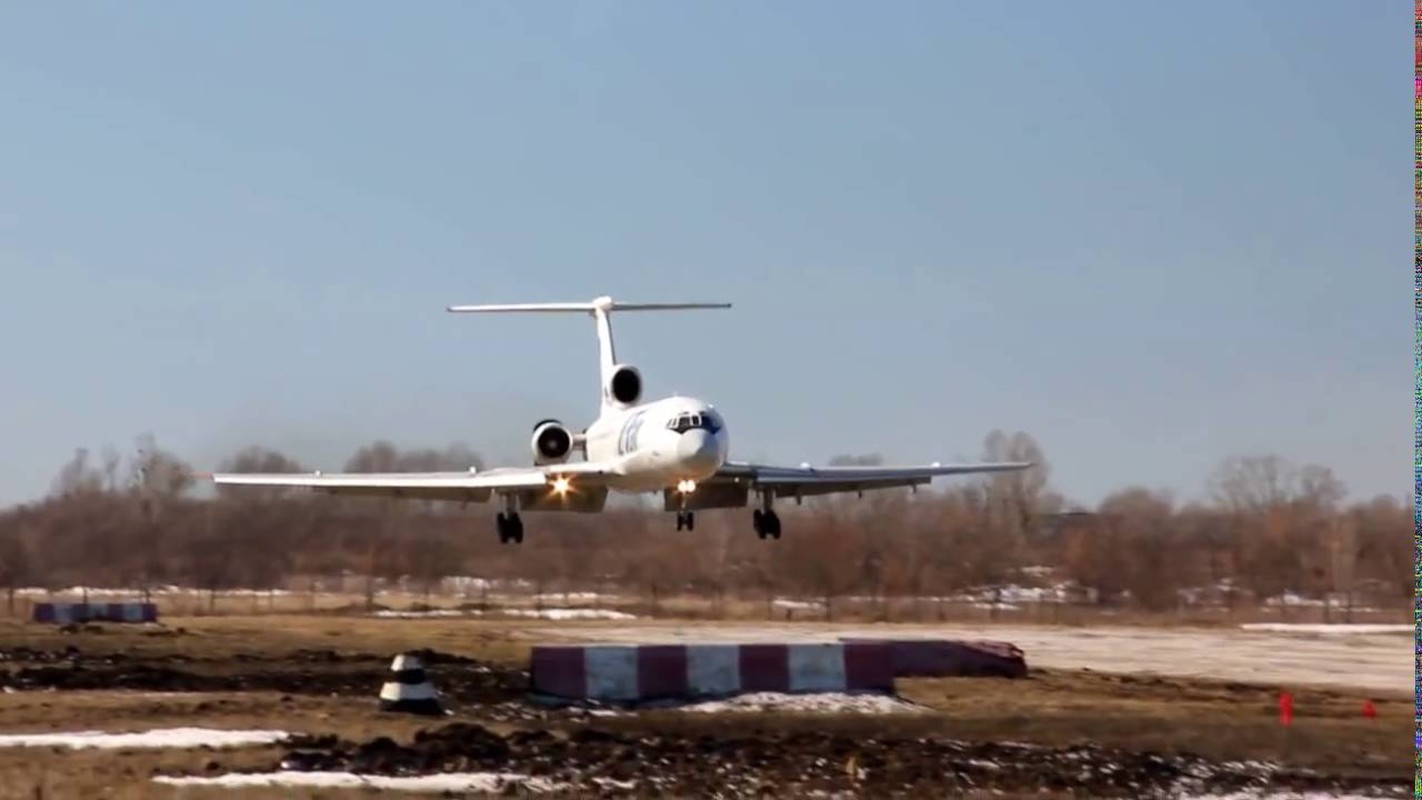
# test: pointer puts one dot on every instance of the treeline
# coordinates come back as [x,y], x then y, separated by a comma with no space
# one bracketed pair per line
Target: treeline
[1270,528]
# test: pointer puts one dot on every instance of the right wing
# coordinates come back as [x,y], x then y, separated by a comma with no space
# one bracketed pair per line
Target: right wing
[806,480]
[534,485]
[733,483]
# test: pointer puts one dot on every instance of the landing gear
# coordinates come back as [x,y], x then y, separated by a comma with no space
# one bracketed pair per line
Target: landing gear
[510,528]
[766,523]
[686,520]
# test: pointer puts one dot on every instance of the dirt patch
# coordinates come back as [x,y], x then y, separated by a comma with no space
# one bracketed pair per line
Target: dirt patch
[301,672]
[753,764]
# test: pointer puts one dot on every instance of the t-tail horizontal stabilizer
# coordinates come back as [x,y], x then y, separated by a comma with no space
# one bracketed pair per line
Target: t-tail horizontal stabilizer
[601,309]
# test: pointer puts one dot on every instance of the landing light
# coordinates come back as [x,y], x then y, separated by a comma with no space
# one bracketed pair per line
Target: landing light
[686,487]
[560,484]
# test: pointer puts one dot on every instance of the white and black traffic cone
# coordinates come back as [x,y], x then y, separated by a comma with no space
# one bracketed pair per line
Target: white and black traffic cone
[409,691]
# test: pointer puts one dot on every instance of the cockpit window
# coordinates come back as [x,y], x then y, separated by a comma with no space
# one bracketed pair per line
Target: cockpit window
[704,420]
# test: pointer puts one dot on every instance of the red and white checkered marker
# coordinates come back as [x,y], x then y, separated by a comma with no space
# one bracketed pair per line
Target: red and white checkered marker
[643,672]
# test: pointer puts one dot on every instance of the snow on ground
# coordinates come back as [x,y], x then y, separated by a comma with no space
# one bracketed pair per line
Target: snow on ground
[567,598]
[545,613]
[823,702]
[799,605]
[434,612]
[1376,662]
[162,737]
[1279,796]
[1334,628]
[567,613]
[494,782]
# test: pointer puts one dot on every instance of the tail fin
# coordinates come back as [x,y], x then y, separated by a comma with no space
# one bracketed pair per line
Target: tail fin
[600,308]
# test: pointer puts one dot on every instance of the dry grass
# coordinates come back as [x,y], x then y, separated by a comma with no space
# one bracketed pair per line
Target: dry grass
[1216,719]
[222,637]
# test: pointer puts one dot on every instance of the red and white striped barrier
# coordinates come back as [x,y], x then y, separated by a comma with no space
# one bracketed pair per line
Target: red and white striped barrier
[65,613]
[950,658]
[641,672]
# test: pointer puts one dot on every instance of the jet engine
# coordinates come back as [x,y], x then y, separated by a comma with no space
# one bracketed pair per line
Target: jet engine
[624,386]
[552,442]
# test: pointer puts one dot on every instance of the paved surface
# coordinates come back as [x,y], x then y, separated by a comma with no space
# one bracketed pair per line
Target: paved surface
[1369,660]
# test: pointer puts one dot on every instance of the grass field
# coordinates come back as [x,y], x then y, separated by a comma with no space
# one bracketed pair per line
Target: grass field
[1221,720]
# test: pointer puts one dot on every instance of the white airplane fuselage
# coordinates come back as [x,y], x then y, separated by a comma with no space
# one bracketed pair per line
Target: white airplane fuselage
[660,444]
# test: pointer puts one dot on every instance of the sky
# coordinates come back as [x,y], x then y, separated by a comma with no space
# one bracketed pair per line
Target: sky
[1151,235]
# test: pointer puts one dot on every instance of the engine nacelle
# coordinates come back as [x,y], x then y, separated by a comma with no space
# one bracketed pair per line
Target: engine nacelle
[552,442]
[624,386]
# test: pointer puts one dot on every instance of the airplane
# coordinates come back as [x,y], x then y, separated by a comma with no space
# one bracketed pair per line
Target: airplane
[674,445]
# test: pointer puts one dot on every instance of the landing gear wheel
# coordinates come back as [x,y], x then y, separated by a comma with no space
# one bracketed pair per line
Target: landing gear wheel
[510,528]
[686,520]
[766,523]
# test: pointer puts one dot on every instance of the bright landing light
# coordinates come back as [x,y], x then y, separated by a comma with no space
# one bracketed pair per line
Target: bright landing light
[560,484]
[686,487]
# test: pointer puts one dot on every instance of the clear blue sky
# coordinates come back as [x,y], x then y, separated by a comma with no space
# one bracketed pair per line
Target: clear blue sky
[1150,234]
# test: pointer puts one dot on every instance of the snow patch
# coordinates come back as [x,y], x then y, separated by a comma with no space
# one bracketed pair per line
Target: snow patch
[574,597]
[568,613]
[821,702]
[161,737]
[494,782]
[799,605]
[1279,796]
[435,612]
[1340,627]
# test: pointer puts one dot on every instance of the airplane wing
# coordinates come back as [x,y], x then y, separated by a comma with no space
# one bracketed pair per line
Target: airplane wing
[805,480]
[531,483]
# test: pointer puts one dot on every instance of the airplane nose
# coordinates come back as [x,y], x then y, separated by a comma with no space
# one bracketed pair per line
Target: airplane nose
[698,449]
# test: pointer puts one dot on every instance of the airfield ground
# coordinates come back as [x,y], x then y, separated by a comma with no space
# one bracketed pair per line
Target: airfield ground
[1106,712]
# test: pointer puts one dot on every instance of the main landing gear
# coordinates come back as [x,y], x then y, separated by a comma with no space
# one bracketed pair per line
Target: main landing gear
[686,520]
[509,523]
[510,528]
[766,523]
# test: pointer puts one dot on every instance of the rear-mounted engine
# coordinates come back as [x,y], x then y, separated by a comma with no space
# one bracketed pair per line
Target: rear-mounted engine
[624,386]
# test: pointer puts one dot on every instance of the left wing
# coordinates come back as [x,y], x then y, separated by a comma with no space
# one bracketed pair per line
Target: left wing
[805,480]
[536,486]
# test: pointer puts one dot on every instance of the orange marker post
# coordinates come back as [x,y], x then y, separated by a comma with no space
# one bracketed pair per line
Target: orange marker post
[1286,720]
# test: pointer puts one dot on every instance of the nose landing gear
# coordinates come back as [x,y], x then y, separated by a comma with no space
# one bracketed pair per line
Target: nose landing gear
[685,519]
